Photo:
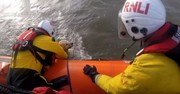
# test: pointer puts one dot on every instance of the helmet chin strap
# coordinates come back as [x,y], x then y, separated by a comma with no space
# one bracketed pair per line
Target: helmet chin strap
[124,51]
[134,39]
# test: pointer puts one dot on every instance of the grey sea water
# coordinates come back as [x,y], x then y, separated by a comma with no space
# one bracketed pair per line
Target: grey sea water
[90,24]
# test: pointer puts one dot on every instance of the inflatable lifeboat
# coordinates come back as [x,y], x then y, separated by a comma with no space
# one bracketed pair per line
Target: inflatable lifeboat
[79,83]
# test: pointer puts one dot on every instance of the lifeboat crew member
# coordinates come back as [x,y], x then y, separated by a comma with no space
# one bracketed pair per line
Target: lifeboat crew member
[34,49]
[155,69]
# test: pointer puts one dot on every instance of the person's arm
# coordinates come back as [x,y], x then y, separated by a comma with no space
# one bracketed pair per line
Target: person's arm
[46,43]
[122,83]
[115,85]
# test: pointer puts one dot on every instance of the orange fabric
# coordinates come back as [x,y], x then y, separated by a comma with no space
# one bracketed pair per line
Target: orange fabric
[43,90]
[4,66]
[48,90]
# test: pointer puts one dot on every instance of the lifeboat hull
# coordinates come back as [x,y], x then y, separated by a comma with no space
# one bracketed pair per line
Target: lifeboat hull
[79,82]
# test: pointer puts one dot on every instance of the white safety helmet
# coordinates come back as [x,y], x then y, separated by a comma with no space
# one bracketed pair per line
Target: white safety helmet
[47,25]
[141,17]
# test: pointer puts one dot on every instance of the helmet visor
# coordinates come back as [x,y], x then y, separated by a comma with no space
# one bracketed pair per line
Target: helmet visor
[122,32]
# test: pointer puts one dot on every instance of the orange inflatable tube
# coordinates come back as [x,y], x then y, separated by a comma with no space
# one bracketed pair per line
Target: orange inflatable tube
[3,72]
[79,82]
[4,66]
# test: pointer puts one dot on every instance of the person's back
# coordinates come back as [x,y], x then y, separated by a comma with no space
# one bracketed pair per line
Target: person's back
[40,50]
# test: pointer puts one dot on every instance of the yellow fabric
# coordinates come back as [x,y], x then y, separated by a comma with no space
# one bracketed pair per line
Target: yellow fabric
[25,59]
[149,74]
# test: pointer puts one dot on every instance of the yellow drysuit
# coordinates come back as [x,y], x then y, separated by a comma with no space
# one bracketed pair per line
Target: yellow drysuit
[25,59]
[25,72]
[152,73]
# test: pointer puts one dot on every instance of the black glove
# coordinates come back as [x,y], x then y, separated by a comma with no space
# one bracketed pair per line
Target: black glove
[59,82]
[91,72]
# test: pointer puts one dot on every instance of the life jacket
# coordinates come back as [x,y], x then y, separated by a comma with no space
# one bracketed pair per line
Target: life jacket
[25,42]
[166,40]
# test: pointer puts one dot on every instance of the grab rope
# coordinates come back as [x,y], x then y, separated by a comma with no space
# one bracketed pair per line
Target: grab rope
[68,73]
[12,90]
[5,90]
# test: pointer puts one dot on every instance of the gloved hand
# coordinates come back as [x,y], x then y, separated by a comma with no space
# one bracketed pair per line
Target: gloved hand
[90,71]
[59,82]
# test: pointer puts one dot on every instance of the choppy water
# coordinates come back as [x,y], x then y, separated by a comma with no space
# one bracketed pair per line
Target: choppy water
[90,24]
